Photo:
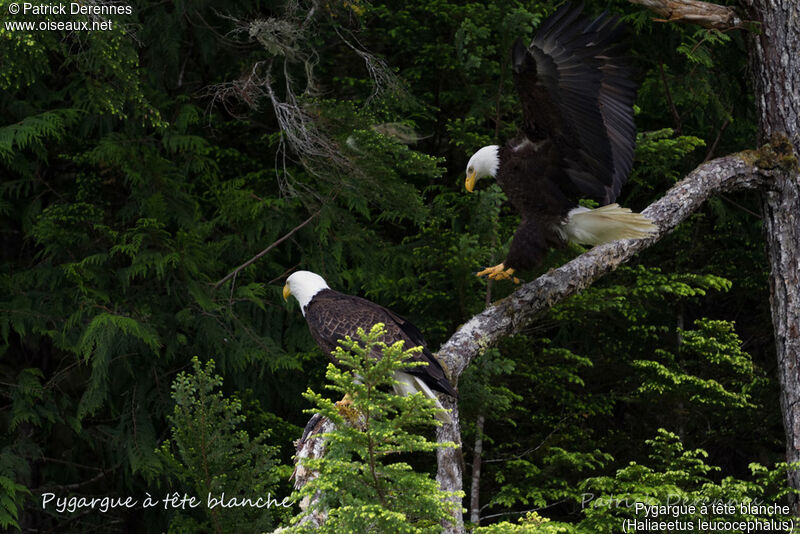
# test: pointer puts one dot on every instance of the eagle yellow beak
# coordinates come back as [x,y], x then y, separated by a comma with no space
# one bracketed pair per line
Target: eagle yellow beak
[286,292]
[470,183]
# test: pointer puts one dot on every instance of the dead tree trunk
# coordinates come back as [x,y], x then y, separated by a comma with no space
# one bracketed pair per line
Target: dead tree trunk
[775,66]
[477,458]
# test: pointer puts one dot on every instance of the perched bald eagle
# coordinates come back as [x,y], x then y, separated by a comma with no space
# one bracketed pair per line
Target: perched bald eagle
[332,315]
[576,140]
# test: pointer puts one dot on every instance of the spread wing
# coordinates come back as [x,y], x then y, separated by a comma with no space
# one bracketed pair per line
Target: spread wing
[332,315]
[575,89]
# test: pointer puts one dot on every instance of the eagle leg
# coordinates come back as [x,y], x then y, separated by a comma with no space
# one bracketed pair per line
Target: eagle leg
[499,272]
[345,407]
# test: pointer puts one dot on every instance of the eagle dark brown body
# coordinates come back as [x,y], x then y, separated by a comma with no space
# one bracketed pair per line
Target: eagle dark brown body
[332,316]
[542,204]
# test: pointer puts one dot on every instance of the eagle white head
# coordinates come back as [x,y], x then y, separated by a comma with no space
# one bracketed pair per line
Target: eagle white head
[483,163]
[303,285]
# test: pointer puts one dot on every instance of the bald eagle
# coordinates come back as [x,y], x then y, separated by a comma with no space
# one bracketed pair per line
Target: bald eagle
[332,316]
[576,140]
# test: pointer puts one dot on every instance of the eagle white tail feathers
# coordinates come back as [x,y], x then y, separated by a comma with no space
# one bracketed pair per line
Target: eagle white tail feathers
[605,224]
[408,384]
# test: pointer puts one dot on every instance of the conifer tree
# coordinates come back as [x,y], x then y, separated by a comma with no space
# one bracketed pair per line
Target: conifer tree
[367,482]
[214,459]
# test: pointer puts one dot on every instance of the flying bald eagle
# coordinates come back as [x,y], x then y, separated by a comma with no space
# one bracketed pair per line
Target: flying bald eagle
[576,140]
[332,316]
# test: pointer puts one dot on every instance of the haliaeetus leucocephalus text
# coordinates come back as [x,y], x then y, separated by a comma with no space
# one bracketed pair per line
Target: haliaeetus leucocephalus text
[331,316]
[576,141]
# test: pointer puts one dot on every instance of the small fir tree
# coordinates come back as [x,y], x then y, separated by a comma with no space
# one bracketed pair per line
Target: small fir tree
[365,479]
[216,460]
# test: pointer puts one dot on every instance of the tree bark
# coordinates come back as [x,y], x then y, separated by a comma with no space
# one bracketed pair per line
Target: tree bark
[775,64]
[310,445]
[746,170]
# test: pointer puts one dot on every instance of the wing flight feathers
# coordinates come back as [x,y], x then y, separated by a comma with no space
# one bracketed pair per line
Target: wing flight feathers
[575,90]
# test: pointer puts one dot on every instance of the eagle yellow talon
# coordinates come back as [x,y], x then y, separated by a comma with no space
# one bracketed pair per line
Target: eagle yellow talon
[499,272]
[345,407]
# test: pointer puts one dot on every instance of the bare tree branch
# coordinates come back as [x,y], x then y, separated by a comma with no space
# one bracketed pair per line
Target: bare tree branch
[703,14]
[252,260]
[513,313]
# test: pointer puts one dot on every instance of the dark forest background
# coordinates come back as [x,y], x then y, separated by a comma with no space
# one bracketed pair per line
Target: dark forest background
[142,165]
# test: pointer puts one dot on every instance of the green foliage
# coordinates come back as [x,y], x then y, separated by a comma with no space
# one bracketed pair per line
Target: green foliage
[538,447]
[552,445]
[32,132]
[211,455]
[713,350]
[532,523]
[366,483]
[26,398]
[140,166]
[10,495]
[641,290]
[659,154]
[696,47]
[676,475]
[672,476]
[482,387]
